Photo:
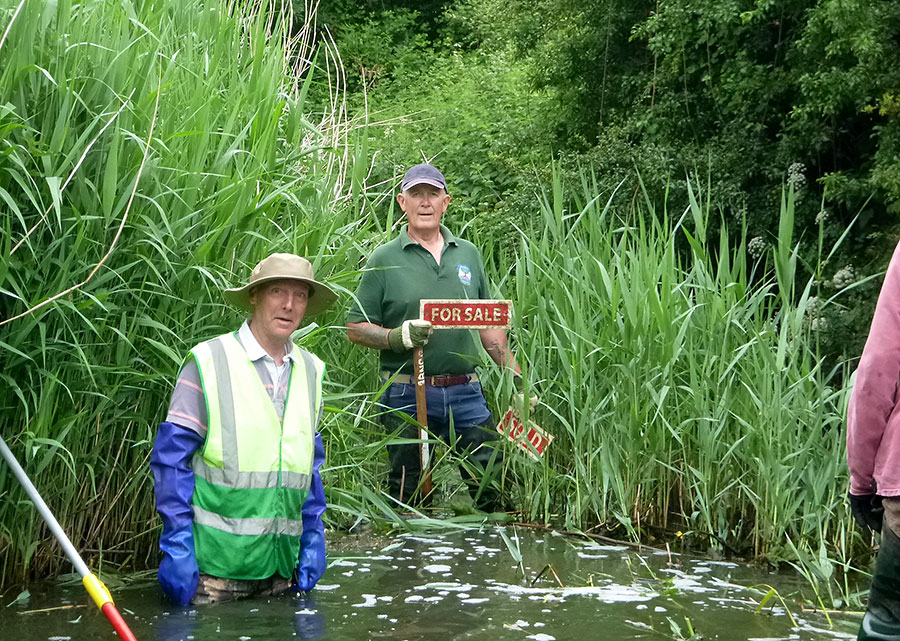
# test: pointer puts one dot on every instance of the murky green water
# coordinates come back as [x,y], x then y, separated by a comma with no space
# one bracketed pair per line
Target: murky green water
[463,585]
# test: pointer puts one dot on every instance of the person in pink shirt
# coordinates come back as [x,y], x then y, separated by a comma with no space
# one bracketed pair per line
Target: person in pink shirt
[873,455]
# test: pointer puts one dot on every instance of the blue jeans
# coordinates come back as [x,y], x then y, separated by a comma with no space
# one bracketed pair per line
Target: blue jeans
[461,406]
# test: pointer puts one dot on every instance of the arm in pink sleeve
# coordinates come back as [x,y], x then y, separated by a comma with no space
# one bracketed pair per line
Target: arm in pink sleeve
[875,390]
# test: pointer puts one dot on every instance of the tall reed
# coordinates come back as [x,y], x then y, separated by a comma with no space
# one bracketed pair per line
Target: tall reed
[150,153]
[169,144]
[681,381]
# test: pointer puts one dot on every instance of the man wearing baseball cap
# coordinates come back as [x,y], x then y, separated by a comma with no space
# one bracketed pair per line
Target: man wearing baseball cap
[236,462]
[427,261]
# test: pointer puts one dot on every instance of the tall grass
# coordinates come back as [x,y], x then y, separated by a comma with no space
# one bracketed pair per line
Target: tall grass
[681,381]
[151,153]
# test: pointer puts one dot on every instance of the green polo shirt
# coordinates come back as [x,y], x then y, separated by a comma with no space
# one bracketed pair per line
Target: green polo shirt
[399,274]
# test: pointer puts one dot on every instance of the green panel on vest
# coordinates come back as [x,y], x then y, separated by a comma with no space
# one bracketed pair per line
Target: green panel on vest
[249,504]
[245,557]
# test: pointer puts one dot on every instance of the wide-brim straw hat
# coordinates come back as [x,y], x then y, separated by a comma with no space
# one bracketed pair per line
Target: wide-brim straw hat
[281,267]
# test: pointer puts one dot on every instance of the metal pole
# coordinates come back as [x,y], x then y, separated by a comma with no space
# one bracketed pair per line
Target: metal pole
[92,584]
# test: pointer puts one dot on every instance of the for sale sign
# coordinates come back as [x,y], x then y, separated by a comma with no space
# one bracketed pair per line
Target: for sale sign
[468,314]
[529,436]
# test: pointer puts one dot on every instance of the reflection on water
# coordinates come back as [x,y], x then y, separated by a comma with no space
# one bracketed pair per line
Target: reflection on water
[491,584]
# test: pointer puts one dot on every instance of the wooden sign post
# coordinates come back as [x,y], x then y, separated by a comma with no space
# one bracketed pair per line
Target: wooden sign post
[474,314]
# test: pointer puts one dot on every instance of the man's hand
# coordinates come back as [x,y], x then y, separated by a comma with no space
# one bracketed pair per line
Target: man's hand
[412,333]
[520,400]
[867,510]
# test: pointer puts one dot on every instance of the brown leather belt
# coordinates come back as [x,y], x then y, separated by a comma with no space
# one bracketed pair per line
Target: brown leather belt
[438,380]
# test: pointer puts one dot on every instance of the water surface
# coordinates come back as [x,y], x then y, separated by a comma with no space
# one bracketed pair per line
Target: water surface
[464,585]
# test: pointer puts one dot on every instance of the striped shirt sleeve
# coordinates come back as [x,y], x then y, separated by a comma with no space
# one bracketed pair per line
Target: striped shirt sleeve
[188,405]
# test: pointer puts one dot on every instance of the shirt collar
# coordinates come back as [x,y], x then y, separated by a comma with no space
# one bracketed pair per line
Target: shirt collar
[406,241]
[254,350]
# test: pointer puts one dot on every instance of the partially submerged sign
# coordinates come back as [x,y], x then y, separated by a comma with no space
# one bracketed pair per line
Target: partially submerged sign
[528,435]
[468,314]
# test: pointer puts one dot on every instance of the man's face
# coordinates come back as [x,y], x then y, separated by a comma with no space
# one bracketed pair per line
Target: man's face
[423,205]
[278,308]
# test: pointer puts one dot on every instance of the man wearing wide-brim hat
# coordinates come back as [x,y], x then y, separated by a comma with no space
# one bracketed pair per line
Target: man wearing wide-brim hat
[236,462]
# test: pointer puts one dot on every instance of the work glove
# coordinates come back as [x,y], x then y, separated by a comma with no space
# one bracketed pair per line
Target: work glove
[173,484]
[413,332]
[311,560]
[311,566]
[867,510]
[520,400]
[178,571]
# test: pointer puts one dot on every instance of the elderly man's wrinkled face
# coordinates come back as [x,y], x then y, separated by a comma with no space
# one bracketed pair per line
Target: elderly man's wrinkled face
[423,205]
[278,308]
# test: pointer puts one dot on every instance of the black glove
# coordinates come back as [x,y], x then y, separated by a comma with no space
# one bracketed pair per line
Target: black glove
[867,510]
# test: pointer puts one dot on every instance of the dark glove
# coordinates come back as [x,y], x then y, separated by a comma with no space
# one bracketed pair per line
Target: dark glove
[173,483]
[867,510]
[311,562]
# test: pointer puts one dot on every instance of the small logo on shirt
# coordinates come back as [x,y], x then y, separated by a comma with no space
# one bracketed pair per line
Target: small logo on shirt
[465,274]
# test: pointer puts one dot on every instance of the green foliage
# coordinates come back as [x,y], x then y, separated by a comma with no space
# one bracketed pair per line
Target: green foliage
[148,155]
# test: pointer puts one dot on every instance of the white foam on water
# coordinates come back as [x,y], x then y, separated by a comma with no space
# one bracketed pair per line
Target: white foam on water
[522,624]
[370,601]
[306,611]
[541,637]
[451,587]
[323,587]
[475,600]
[414,598]
[607,548]
[344,563]
[639,624]
[439,557]
[348,573]
[437,568]
[687,584]
[593,556]
[443,549]
[421,539]
[724,564]
[606,593]
[483,549]
[659,608]
[386,598]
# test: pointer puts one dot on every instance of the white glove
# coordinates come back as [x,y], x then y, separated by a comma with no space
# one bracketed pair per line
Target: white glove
[413,332]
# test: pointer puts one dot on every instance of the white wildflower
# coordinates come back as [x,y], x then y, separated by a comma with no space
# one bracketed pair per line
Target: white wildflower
[756,246]
[844,277]
[796,175]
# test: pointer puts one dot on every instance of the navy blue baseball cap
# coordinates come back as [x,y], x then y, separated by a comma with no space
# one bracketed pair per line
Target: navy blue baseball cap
[423,174]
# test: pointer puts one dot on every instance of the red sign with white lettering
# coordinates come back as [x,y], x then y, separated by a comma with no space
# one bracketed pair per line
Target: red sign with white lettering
[529,436]
[468,314]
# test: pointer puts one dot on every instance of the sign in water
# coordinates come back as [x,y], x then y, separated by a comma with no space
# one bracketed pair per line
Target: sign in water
[529,436]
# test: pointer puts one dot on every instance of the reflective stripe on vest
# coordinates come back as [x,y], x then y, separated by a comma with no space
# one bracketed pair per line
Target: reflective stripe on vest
[248,527]
[254,472]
